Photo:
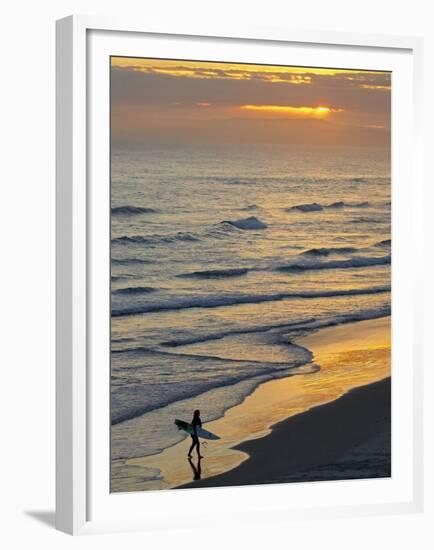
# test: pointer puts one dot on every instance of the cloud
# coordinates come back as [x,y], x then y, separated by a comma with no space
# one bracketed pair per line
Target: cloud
[152,88]
[375,87]
[238,71]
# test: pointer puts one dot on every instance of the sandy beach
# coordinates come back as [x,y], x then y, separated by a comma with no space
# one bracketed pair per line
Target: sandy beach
[346,439]
[299,428]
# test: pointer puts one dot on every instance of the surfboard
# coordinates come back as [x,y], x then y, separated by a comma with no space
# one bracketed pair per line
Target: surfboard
[201,432]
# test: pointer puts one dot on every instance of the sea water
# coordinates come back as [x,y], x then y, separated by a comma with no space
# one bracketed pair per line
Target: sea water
[221,256]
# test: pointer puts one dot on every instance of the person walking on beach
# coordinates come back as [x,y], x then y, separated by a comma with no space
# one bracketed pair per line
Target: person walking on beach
[196,423]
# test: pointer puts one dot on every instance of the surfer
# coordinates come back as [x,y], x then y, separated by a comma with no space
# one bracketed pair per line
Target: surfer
[196,423]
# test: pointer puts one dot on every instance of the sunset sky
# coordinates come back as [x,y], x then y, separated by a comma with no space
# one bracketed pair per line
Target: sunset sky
[172,101]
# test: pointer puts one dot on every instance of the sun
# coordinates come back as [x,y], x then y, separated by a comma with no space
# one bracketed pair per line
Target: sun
[323,110]
[294,111]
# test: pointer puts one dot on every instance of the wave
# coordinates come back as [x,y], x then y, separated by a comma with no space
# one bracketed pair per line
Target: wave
[216,273]
[371,179]
[213,301]
[235,181]
[317,207]
[299,323]
[128,261]
[247,223]
[331,250]
[336,264]
[291,327]
[155,239]
[368,219]
[341,204]
[311,207]
[141,351]
[176,392]
[125,277]
[135,290]
[387,243]
[131,210]
[285,180]
[259,180]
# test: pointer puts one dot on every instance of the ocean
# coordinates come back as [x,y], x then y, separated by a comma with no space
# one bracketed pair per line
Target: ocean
[219,258]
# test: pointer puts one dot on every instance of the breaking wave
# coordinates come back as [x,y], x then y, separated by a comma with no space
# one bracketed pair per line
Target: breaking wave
[331,250]
[247,223]
[317,207]
[131,210]
[212,301]
[135,290]
[154,240]
[216,273]
[336,264]
[387,243]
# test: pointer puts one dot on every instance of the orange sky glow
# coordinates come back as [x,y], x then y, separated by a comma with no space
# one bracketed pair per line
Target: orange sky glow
[206,101]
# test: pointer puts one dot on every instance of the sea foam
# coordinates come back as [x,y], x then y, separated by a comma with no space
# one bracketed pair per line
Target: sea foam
[247,223]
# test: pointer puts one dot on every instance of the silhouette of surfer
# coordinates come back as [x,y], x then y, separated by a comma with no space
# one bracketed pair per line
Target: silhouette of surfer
[196,423]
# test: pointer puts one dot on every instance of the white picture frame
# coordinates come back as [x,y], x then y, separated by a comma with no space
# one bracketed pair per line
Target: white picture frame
[82,502]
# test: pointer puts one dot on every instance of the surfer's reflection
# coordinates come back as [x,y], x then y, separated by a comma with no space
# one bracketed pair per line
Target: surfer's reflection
[197,470]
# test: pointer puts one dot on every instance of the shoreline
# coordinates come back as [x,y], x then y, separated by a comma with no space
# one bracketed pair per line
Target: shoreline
[350,355]
[329,442]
